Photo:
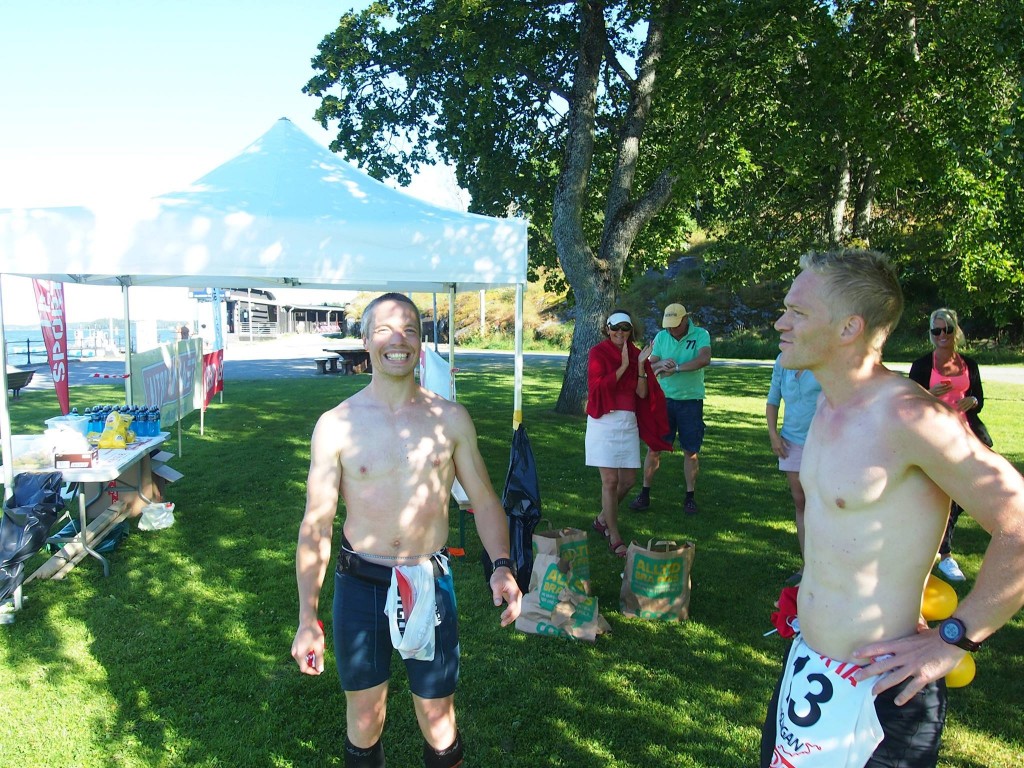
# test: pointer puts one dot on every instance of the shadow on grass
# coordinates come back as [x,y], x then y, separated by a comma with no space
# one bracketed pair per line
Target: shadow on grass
[181,657]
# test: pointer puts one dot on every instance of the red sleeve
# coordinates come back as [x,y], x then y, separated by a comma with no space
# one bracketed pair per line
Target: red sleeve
[601,381]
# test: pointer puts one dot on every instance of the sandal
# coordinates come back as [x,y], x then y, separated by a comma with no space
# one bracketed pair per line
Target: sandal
[600,527]
[618,548]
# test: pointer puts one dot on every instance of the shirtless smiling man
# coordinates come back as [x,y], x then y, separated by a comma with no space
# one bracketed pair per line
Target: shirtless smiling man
[882,459]
[392,451]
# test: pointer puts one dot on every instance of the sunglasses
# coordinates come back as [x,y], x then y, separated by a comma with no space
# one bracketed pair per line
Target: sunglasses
[939,331]
[624,327]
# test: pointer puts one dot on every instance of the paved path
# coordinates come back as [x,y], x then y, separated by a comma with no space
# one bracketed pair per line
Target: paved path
[292,358]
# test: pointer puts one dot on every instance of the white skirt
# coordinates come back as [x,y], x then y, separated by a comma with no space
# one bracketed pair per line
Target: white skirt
[613,440]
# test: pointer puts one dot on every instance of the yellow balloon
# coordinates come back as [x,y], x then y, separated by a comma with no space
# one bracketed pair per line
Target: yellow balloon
[962,673]
[939,599]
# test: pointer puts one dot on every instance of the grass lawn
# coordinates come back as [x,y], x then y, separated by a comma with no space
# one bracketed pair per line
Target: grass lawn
[181,656]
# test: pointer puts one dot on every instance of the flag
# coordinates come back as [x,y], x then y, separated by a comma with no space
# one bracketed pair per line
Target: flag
[50,303]
[213,375]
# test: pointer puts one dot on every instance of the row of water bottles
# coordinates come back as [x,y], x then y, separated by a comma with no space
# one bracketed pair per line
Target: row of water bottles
[145,419]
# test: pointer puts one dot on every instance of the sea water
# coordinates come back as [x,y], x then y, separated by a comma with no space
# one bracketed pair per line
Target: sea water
[26,349]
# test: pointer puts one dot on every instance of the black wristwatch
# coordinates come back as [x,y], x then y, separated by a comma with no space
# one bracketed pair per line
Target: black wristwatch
[505,562]
[954,632]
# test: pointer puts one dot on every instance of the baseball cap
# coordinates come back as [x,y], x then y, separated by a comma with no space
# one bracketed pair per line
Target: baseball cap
[674,314]
[619,317]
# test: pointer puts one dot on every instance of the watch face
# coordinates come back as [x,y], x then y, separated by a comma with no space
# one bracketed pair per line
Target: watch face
[952,631]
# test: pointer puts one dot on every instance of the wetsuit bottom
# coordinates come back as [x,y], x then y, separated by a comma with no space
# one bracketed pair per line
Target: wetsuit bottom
[362,638]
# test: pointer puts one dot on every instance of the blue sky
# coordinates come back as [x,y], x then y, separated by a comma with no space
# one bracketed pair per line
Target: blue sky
[117,99]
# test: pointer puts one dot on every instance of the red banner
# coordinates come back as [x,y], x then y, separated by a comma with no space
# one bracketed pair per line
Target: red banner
[50,303]
[213,375]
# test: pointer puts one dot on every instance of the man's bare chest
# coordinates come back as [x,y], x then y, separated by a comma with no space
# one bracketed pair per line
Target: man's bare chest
[849,463]
[392,451]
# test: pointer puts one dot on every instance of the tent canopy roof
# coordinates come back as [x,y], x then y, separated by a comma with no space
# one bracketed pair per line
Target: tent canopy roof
[285,212]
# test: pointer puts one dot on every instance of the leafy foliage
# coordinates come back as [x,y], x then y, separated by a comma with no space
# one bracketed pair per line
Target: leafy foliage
[619,127]
[913,108]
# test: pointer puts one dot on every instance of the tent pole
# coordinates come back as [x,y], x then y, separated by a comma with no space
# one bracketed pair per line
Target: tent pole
[127,346]
[451,336]
[181,387]
[435,321]
[6,442]
[517,396]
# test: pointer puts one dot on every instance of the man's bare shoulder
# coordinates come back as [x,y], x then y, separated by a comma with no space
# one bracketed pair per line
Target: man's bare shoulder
[452,413]
[348,409]
[918,425]
[904,400]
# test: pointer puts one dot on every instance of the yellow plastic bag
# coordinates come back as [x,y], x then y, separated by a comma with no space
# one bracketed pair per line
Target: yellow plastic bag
[115,431]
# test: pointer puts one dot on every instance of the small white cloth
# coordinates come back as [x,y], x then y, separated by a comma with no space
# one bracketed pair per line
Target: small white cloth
[825,718]
[412,609]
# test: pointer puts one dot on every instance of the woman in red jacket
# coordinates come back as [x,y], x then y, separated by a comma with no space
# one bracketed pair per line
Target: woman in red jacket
[624,404]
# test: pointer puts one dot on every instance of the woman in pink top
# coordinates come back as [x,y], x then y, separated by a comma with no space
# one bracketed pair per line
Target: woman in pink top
[953,378]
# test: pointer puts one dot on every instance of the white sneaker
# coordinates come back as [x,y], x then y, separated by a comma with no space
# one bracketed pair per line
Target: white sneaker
[949,568]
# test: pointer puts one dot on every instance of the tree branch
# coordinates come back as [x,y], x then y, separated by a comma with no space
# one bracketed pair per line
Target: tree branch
[612,57]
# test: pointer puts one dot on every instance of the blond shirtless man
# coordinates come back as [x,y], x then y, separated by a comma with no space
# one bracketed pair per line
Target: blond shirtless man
[392,451]
[863,683]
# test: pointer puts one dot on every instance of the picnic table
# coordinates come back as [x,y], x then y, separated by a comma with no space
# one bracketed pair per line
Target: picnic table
[125,469]
[344,361]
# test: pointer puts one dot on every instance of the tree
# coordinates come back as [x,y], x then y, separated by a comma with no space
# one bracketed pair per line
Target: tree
[895,127]
[775,125]
[542,107]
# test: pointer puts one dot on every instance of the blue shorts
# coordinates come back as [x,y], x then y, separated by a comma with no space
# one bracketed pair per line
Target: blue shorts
[685,419]
[362,638]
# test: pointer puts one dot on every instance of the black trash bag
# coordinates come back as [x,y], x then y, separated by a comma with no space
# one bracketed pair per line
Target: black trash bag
[521,500]
[28,516]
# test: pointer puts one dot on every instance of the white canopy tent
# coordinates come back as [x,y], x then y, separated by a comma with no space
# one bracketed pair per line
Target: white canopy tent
[285,212]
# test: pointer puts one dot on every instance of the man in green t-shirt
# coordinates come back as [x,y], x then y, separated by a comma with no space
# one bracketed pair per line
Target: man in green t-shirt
[681,352]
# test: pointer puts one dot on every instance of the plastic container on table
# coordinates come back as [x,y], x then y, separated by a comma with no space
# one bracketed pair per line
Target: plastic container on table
[72,422]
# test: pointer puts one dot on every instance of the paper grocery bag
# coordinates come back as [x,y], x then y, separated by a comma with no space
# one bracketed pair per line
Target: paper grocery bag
[567,543]
[535,620]
[656,581]
[557,603]
[580,620]
[550,576]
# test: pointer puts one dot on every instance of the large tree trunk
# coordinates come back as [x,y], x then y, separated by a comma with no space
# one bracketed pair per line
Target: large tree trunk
[595,279]
[592,308]
[582,269]
[840,198]
[865,201]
